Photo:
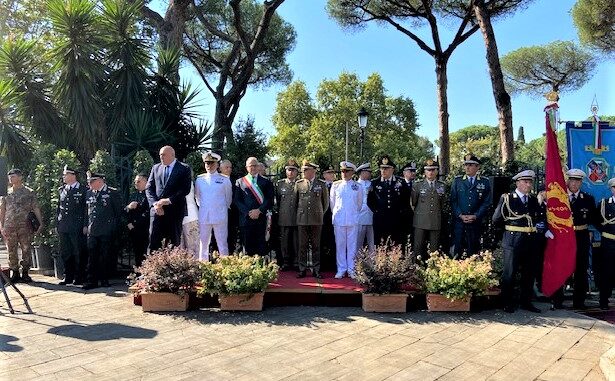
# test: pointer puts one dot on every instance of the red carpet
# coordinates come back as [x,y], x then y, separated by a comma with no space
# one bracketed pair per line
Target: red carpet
[288,282]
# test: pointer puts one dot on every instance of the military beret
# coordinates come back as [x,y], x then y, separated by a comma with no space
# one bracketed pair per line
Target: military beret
[95,176]
[470,159]
[612,182]
[210,157]
[67,169]
[575,173]
[291,164]
[346,165]
[431,164]
[364,167]
[15,171]
[386,162]
[528,174]
[410,167]
[307,165]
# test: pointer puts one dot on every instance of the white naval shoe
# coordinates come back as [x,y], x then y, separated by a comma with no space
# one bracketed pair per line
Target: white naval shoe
[339,275]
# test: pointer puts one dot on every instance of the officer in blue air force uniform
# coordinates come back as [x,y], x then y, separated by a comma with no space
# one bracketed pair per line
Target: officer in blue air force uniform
[71,214]
[470,202]
[104,212]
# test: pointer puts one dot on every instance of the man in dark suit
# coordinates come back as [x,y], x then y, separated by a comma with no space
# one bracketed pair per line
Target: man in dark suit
[253,197]
[138,219]
[104,212]
[167,188]
[71,214]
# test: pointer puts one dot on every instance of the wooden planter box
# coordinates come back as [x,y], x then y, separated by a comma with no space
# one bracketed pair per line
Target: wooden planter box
[384,302]
[242,302]
[163,301]
[440,303]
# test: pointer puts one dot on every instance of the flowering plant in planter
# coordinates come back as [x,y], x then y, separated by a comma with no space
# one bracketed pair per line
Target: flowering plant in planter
[458,279]
[170,269]
[385,270]
[237,274]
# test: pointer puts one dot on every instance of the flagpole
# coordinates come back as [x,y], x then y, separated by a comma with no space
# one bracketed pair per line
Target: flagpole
[346,142]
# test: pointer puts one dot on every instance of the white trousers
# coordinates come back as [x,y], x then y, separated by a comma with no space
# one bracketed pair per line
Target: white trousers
[346,247]
[220,232]
[366,232]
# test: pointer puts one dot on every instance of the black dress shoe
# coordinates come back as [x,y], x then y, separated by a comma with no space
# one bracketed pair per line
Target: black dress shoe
[317,274]
[556,306]
[15,278]
[579,306]
[104,283]
[89,286]
[65,281]
[77,282]
[25,278]
[301,274]
[509,309]
[530,307]
[604,307]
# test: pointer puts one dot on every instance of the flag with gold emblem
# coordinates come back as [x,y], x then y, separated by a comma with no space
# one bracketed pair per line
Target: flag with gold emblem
[560,251]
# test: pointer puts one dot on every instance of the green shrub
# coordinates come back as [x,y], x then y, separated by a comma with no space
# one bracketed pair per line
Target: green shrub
[102,162]
[237,274]
[142,163]
[458,279]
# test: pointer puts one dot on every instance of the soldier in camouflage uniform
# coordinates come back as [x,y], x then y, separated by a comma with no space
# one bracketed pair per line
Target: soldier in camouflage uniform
[15,225]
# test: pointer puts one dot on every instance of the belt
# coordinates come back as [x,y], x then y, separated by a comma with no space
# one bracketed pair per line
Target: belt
[521,229]
[580,227]
[608,235]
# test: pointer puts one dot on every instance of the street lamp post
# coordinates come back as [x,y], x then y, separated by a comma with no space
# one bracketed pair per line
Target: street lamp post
[362,119]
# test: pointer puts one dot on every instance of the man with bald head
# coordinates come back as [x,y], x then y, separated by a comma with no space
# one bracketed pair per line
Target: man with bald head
[253,197]
[167,188]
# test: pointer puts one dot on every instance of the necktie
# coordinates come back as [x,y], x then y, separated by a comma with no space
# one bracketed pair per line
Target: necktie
[524,199]
[471,181]
[573,198]
[166,174]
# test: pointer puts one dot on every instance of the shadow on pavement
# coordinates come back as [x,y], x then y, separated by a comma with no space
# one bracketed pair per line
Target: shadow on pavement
[102,332]
[5,345]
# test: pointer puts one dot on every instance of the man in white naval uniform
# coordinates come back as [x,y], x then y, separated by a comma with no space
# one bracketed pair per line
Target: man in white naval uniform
[214,194]
[366,216]
[346,199]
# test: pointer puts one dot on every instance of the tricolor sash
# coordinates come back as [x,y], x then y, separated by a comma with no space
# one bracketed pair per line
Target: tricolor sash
[254,188]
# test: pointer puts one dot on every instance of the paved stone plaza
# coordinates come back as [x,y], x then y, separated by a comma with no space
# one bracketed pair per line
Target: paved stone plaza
[101,335]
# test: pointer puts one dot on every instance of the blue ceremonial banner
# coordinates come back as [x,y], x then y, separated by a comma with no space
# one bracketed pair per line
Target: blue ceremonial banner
[591,147]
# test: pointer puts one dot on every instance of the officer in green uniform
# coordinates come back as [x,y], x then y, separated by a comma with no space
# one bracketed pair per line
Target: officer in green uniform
[312,201]
[71,214]
[470,203]
[428,195]
[286,204]
[104,212]
[15,225]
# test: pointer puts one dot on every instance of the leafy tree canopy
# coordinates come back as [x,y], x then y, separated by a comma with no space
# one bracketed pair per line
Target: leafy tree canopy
[595,22]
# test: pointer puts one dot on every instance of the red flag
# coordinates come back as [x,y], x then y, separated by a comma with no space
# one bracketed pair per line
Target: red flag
[560,252]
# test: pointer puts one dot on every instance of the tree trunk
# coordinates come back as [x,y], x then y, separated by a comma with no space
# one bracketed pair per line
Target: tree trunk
[221,125]
[442,85]
[502,99]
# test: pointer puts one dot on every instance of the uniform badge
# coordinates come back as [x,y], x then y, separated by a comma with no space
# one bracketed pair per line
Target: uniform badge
[440,190]
[354,187]
[219,181]
[480,186]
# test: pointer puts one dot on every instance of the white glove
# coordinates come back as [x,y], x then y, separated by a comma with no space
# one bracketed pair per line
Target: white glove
[549,235]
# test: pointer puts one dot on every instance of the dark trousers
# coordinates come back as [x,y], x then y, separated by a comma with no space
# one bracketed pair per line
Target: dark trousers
[139,238]
[385,228]
[233,229]
[407,231]
[98,258]
[70,251]
[309,236]
[519,257]
[422,237]
[327,247]
[289,245]
[607,269]
[580,279]
[253,238]
[467,238]
[167,228]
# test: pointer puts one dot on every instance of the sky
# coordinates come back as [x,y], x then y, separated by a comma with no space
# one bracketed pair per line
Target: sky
[324,50]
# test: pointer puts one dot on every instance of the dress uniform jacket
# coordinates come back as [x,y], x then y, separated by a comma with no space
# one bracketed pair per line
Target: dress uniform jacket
[72,211]
[346,200]
[520,243]
[104,211]
[428,203]
[469,199]
[606,225]
[286,202]
[312,201]
[214,194]
[387,199]
[17,204]
[366,216]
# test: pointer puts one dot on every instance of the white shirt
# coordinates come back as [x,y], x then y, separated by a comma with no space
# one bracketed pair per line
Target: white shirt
[366,216]
[521,195]
[214,194]
[346,199]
